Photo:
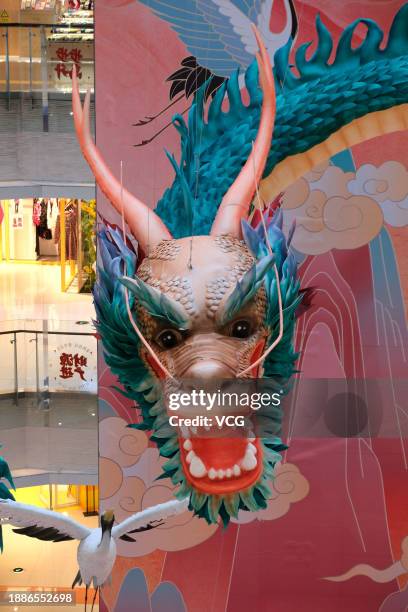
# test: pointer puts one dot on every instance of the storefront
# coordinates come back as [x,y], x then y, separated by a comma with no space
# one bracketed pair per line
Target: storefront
[82,497]
[39,43]
[33,566]
[51,231]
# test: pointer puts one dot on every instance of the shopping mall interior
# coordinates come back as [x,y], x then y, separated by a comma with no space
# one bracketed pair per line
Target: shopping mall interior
[48,378]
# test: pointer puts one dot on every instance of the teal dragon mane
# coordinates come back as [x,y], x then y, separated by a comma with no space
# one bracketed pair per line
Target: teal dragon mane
[5,493]
[310,106]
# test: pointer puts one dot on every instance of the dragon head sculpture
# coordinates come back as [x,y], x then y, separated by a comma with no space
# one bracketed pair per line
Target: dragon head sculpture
[199,307]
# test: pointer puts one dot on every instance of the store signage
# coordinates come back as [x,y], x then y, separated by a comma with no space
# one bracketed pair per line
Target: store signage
[79,5]
[67,59]
[73,367]
[64,55]
[37,5]
[46,5]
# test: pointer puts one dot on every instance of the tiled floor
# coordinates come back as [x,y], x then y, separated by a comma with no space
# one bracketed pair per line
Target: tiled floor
[58,437]
[33,292]
[67,411]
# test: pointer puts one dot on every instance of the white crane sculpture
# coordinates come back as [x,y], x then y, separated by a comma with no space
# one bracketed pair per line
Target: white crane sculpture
[97,547]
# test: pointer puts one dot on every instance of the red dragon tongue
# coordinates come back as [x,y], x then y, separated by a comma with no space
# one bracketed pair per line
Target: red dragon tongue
[221,465]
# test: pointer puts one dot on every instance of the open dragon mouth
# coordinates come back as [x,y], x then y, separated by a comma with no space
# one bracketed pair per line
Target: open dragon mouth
[218,462]
[221,465]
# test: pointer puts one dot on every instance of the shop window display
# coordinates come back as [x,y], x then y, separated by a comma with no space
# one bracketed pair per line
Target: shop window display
[70,212]
[53,231]
[29,229]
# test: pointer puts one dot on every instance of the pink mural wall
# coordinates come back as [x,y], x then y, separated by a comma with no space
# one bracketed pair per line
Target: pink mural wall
[338,502]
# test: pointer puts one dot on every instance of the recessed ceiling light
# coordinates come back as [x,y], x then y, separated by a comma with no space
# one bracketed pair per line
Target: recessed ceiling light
[59,423]
[18,570]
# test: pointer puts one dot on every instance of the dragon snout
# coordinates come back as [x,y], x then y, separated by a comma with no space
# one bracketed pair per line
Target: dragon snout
[207,369]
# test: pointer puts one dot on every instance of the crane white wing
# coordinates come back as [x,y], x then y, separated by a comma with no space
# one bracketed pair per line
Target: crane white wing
[275,40]
[218,32]
[41,523]
[207,33]
[240,23]
[150,515]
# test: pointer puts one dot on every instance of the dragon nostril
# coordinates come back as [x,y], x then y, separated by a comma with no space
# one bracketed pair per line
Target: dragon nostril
[207,369]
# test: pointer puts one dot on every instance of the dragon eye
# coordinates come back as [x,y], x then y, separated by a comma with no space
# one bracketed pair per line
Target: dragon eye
[241,329]
[169,338]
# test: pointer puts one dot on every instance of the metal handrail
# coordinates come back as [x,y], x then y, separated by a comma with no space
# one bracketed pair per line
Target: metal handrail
[45,29]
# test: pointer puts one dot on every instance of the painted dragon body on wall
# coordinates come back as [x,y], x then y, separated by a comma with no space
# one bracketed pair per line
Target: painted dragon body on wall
[209,295]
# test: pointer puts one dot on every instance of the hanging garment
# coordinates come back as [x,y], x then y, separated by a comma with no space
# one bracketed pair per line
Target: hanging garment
[52,212]
[36,211]
[71,233]
[44,231]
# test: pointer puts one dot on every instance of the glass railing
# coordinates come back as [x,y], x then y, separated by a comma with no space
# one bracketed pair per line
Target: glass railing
[36,63]
[48,401]
[36,58]
[40,357]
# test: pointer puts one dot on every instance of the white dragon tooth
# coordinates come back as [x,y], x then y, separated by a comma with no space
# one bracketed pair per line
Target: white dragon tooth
[220,474]
[197,467]
[184,431]
[249,462]
[190,456]
[251,437]
[252,447]
[187,445]
[228,473]
[212,474]
[236,470]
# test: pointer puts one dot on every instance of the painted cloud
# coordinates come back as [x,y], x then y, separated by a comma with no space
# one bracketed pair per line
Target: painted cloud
[128,473]
[334,209]
[288,487]
[328,216]
[388,185]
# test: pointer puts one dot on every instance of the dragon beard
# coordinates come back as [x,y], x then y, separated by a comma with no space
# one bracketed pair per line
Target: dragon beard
[223,473]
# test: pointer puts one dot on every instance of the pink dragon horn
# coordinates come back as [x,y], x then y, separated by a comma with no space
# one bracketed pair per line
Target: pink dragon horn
[145,225]
[235,203]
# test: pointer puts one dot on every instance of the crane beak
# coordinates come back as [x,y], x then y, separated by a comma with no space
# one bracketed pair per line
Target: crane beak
[107,520]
